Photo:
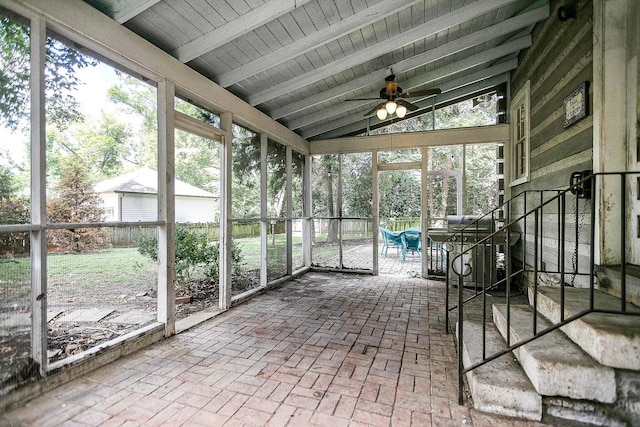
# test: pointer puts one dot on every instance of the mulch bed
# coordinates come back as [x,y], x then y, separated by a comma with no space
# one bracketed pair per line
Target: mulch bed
[68,338]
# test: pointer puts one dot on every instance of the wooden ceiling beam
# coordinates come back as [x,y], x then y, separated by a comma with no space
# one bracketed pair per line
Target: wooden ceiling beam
[485,35]
[431,138]
[471,62]
[240,26]
[124,10]
[319,38]
[457,17]
[467,84]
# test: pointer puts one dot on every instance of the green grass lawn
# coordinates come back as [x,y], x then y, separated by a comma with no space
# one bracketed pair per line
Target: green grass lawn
[15,279]
[124,270]
[276,250]
[121,269]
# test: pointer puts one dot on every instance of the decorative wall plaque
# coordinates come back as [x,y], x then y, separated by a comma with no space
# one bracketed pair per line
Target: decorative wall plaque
[575,105]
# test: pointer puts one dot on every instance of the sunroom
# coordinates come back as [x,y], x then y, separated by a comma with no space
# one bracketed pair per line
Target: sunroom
[304,129]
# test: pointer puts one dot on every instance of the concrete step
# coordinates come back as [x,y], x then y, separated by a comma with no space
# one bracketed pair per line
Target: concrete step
[612,340]
[501,386]
[555,365]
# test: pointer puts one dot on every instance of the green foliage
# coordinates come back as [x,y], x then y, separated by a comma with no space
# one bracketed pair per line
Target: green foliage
[325,192]
[482,190]
[197,159]
[297,181]
[245,186]
[325,185]
[8,184]
[60,83]
[194,253]
[399,194]
[14,209]
[138,99]
[105,145]
[246,169]
[463,114]
[357,185]
[148,246]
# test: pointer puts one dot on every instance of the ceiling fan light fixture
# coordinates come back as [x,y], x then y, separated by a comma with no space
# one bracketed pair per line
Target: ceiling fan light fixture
[390,106]
[401,111]
[381,113]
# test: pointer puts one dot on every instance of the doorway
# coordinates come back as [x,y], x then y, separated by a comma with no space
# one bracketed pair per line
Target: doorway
[415,198]
[400,209]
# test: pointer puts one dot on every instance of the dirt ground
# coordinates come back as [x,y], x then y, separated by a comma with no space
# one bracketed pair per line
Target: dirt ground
[66,338]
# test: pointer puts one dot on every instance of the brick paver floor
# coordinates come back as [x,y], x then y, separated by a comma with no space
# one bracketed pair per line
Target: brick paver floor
[325,349]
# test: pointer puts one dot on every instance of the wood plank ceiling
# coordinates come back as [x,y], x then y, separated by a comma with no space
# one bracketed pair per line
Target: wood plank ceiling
[299,60]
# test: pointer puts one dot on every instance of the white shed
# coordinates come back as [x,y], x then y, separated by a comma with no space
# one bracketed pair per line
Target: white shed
[133,197]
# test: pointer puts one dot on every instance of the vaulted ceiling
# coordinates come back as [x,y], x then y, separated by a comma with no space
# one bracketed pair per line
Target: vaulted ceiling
[298,61]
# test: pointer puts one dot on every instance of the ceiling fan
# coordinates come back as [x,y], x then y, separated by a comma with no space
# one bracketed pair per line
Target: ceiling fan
[395,99]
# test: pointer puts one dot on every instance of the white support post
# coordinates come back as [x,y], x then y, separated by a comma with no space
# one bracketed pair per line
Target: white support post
[463,193]
[307,211]
[289,200]
[38,197]
[166,208]
[226,237]
[375,209]
[424,226]
[264,221]
[339,213]
[634,134]
[610,119]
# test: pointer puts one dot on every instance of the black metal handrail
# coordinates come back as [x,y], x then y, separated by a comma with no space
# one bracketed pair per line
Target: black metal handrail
[473,227]
[583,189]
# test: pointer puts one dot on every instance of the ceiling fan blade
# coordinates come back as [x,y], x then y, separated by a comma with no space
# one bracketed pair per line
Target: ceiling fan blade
[425,92]
[373,110]
[410,106]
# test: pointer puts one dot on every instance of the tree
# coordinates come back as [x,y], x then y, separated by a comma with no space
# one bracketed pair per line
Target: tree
[137,98]
[481,190]
[357,185]
[60,83]
[75,202]
[197,159]
[246,173]
[247,164]
[399,195]
[105,145]
[466,113]
[325,193]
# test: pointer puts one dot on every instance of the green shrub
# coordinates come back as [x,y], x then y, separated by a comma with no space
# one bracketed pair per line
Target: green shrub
[194,253]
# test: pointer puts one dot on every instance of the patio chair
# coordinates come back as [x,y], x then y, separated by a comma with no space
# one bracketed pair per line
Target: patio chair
[411,243]
[390,239]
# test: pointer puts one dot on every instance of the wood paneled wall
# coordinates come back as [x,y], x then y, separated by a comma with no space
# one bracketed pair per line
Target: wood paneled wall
[558,62]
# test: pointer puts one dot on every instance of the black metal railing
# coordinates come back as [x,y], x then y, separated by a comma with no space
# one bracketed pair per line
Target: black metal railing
[472,232]
[536,258]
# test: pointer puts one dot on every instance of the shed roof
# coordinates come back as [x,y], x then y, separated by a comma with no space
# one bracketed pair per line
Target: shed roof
[145,181]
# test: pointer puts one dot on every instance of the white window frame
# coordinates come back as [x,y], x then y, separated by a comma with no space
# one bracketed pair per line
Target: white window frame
[520,135]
